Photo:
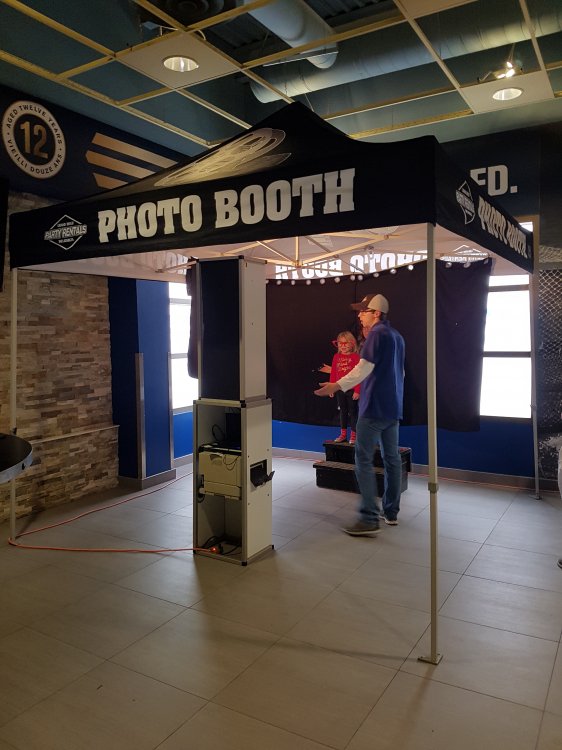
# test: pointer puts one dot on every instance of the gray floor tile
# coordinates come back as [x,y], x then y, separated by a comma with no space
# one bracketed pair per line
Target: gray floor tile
[169,531]
[321,504]
[14,562]
[353,617]
[104,566]
[312,692]
[181,578]
[494,662]
[554,700]
[417,714]
[504,605]
[264,601]
[279,542]
[209,729]
[5,746]
[363,628]
[408,545]
[550,737]
[110,708]
[196,652]
[306,565]
[517,566]
[187,511]
[33,666]
[543,537]
[36,594]
[458,526]
[398,583]
[169,500]
[119,520]
[108,621]
[288,522]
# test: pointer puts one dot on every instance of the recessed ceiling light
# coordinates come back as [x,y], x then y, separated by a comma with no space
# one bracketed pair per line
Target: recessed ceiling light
[504,95]
[180,64]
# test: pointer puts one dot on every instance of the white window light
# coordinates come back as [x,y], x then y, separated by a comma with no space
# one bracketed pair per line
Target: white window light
[506,372]
[184,388]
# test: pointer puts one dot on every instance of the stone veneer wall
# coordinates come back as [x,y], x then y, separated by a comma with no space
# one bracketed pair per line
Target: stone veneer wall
[63,384]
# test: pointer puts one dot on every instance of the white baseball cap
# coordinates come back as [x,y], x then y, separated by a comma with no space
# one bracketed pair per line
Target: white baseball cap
[372,302]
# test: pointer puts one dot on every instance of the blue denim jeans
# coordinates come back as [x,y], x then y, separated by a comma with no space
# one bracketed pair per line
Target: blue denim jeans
[385,433]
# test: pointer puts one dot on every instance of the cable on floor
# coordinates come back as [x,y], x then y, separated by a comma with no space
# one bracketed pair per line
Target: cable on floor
[14,543]
[158,551]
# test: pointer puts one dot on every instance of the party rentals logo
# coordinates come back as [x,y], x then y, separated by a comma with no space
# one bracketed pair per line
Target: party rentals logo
[65,233]
[466,202]
[33,139]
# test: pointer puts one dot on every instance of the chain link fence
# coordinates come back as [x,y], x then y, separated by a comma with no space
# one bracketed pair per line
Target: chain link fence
[549,361]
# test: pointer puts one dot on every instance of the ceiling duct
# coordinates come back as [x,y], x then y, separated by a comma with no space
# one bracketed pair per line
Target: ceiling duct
[394,49]
[186,12]
[296,23]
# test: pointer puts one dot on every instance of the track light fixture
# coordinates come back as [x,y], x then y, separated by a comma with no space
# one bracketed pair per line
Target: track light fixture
[508,70]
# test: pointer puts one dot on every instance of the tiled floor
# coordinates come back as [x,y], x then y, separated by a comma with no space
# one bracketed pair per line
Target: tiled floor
[314,646]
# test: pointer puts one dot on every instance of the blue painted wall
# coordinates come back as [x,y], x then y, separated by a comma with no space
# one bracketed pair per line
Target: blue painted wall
[500,447]
[183,434]
[140,323]
[154,342]
[124,344]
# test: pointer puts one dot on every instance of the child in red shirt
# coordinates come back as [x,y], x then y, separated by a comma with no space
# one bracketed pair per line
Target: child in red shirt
[342,363]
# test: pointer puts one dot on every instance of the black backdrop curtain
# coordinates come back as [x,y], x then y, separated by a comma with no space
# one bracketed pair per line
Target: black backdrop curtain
[303,319]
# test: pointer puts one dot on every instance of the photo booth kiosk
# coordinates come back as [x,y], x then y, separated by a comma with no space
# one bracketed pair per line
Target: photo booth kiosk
[232,513]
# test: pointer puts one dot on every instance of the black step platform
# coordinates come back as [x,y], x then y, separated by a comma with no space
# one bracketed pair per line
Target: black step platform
[338,471]
[345,454]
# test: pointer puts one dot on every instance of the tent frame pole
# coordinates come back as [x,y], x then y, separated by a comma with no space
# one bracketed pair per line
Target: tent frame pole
[434,657]
[13,387]
[534,290]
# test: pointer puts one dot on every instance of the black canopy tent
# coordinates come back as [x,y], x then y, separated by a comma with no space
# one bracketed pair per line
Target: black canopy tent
[292,175]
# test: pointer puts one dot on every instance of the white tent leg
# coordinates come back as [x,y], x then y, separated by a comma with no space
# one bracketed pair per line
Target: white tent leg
[434,657]
[534,289]
[13,385]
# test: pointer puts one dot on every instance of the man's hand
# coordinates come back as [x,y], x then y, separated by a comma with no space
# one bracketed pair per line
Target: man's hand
[327,389]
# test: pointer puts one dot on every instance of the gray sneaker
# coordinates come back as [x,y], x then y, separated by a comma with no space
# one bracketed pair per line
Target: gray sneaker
[360,528]
[390,521]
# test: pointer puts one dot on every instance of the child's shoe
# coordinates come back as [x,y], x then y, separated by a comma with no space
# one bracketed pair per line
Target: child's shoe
[342,437]
[352,438]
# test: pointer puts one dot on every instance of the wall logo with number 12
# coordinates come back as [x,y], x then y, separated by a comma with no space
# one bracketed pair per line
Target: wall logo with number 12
[33,139]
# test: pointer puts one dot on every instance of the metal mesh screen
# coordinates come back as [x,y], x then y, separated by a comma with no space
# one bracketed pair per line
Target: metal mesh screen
[549,369]
[549,254]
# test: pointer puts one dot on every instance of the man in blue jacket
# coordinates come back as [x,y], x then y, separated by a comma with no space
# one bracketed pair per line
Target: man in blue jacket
[381,372]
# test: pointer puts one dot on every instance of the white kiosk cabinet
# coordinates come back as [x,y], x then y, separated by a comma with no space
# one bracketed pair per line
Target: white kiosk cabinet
[232,418]
[232,485]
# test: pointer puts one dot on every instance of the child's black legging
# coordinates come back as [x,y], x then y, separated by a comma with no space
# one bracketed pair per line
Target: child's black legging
[347,408]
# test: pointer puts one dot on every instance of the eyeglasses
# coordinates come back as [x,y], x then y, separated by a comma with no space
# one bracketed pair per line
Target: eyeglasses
[336,343]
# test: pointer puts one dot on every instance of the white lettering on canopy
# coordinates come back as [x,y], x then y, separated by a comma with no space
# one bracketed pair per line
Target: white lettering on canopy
[130,221]
[276,201]
[251,205]
[496,224]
